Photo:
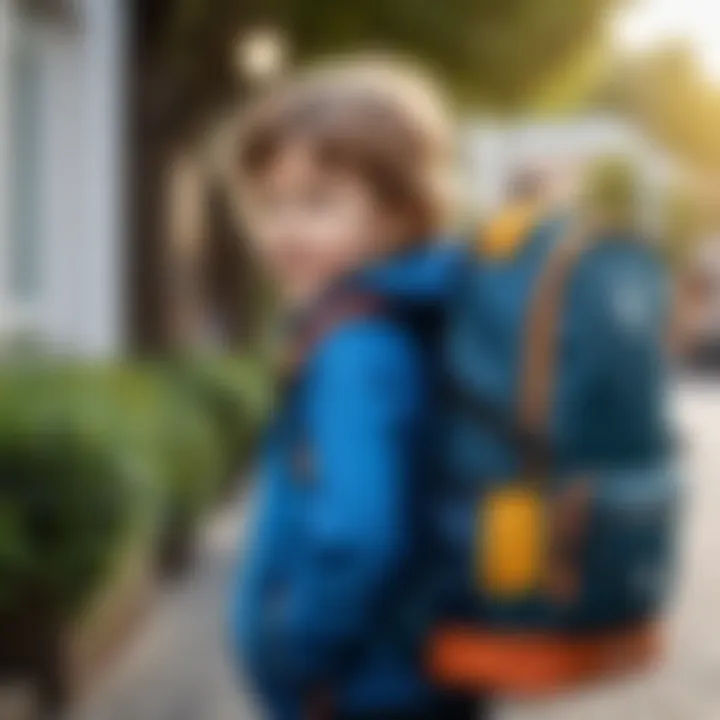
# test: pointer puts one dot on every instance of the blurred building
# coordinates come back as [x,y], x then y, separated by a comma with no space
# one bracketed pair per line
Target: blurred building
[563,149]
[61,117]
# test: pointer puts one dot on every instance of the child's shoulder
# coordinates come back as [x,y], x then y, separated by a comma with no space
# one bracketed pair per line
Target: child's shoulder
[370,338]
[367,347]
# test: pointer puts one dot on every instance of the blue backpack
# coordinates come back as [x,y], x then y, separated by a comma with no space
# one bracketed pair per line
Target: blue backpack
[557,508]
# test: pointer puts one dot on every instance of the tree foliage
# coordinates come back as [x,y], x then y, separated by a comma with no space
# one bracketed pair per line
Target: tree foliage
[493,51]
[666,92]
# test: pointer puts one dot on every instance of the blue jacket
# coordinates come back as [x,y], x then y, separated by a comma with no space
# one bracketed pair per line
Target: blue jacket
[326,601]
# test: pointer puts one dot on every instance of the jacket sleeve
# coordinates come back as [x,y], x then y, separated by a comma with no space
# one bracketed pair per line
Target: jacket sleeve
[364,405]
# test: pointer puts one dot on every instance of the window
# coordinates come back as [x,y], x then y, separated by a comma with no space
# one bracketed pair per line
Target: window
[23,259]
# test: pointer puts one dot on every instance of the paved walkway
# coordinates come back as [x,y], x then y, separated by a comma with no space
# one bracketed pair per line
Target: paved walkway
[176,669]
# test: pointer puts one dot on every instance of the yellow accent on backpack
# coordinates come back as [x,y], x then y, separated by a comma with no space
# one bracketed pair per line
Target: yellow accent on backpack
[511,541]
[506,234]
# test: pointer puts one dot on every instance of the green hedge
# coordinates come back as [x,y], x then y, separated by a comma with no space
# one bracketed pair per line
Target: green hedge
[91,457]
[234,395]
[73,486]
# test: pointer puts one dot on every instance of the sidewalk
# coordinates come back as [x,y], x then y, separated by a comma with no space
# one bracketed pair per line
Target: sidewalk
[177,668]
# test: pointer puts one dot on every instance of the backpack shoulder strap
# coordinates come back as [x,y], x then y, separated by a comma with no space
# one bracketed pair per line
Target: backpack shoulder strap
[539,361]
[326,320]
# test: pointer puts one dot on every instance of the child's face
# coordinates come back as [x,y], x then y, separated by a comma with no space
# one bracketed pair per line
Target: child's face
[311,224]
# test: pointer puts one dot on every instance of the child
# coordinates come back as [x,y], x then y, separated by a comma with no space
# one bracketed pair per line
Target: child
[340,170]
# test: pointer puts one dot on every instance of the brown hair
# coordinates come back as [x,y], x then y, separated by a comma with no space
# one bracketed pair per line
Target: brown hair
[376,118]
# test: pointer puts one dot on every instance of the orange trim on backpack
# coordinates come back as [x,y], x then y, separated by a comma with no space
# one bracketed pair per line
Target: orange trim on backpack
[537,664]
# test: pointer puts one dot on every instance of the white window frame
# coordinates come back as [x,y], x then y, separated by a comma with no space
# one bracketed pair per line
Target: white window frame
[18,316]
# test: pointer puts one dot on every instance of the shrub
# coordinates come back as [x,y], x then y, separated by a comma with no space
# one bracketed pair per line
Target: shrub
[74,485]
[234,392]
[190,455]
[93,458]
[179,438]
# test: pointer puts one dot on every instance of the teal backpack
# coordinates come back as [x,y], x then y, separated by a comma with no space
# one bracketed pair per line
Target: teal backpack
[557,505]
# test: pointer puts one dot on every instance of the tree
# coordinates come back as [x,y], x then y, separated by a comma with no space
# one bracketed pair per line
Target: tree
[493,52]
[666,93]
[181,75]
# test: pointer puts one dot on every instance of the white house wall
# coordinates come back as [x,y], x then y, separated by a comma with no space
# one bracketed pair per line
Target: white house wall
[65,190]
[103,267]
[80,198]
[5,40]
